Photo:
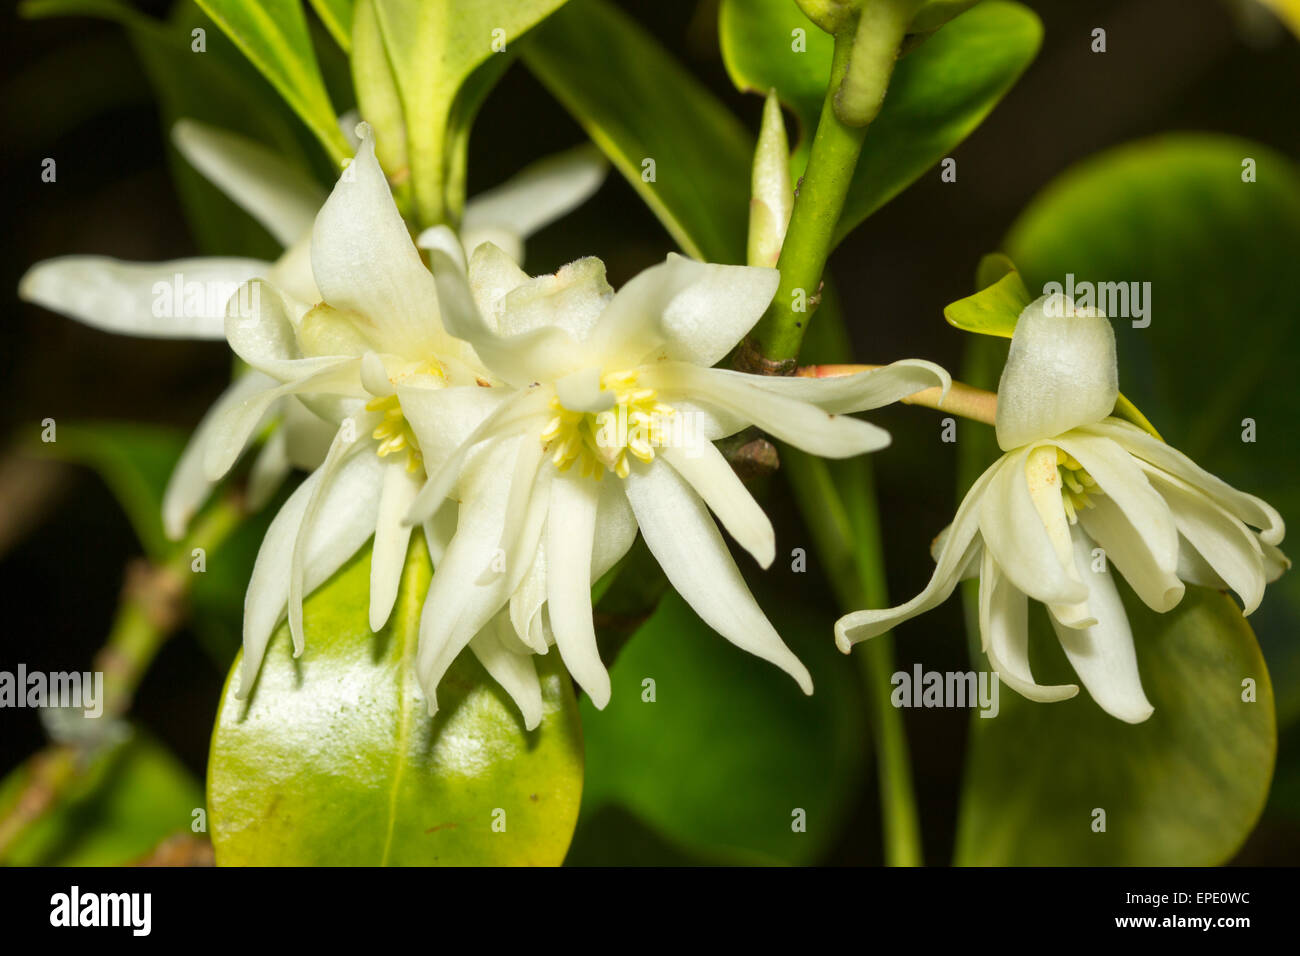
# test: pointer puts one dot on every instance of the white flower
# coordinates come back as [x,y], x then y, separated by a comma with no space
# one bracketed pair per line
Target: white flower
[607,426]
[186,298]
[1073,480]
[376,327]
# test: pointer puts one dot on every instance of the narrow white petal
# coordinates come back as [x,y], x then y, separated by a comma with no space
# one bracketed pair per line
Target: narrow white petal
[270,468]
[1061,372]
[958,547]
[391,538]
[570,527]
[1226,544]
[1159,588]
[1122,480]
[799,423]
[365,262]
[188,487]
[858,392]
[714,480]
[684,540]
[539,194]
[1004,634]
[279,196]
[1250,509]
[1103,655]
[233,427]
[181,299]
[1027,531]
[347,519]
[514,672]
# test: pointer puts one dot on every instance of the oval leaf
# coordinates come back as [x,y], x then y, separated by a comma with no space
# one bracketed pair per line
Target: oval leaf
[334,759]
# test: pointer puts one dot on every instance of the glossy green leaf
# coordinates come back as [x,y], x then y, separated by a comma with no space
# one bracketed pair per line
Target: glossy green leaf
[717,764]
[686,155]
[1184,788]
[939,95]
[995,308]
[273,34]
[334,759]
[337,17]
[132,796]
[762,51]
[1224,327]
[434,46]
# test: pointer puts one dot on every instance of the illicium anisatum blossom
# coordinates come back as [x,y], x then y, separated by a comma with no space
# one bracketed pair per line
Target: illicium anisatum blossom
[186,298]
[1073,480]
[606,426]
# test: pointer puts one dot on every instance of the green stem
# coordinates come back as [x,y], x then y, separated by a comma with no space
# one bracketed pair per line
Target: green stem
[151,609]
[846,534]
[818,201]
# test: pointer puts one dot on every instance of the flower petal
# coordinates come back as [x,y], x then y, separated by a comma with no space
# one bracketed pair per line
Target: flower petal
[1253,511]
[1004,634]
[958,547]
[1226,544]
[1023,523]
[346,519]
[1103,655]
[514,672]
[570,527]
[1107,525]
[713,479]
[683,538]
[276,194]
[858,392]
[181,299]
[1061,372]
[392,536]
[188,487]
[797,422]
[538,195]
[270,468]
[364,261]
[682,310]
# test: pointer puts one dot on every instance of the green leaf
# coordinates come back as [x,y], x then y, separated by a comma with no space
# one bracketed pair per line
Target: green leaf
[135,462]
[130,798]
[759,50]
[729,748]
[995,308]
[273,34]
[637,103]
[433,47]
[1224,328]
[334,759]
[337,17]
[939,95]
[1182,789]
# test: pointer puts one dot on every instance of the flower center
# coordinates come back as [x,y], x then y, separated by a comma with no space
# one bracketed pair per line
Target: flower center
[1076,485]
[394,433]
[602,441]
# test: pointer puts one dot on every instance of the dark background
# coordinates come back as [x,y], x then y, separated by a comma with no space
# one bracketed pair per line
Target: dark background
[73,90]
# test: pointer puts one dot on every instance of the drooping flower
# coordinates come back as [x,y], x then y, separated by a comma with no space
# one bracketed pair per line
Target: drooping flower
[606,426]
[1074,479]
[186,298]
